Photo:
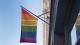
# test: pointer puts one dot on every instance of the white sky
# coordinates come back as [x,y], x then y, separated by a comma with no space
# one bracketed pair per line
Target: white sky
[73,35]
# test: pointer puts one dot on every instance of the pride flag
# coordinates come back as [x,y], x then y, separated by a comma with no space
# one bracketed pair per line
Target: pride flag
[78,27]
[28,27]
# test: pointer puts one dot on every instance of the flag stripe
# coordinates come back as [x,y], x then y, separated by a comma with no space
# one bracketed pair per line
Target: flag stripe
[28,34]
[31,40]
[29,28]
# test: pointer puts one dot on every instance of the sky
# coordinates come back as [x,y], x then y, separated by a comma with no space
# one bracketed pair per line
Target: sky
[73,35]
[10,21]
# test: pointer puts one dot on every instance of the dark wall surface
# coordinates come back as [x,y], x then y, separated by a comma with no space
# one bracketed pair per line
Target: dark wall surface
[59,40]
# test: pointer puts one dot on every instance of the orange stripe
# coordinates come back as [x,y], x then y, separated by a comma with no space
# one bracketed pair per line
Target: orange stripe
[26,15]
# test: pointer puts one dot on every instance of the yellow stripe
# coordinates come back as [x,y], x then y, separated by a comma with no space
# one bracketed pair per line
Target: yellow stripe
[29,23]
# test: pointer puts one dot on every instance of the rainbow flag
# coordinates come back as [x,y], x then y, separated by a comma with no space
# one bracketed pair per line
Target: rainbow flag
[78,27]
[28,27]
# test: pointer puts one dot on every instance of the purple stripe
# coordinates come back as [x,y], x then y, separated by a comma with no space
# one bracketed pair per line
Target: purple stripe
[31,40]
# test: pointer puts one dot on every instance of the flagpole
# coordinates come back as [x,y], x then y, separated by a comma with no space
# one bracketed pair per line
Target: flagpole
[34,15]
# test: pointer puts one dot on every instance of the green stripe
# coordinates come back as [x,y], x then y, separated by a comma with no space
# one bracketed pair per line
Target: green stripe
[78,28]
[29,28]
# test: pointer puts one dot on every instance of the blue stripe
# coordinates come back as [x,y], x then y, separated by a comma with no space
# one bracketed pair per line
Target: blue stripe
[28,34]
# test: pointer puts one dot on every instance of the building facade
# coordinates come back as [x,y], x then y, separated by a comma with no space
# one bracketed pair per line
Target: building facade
[46,9]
